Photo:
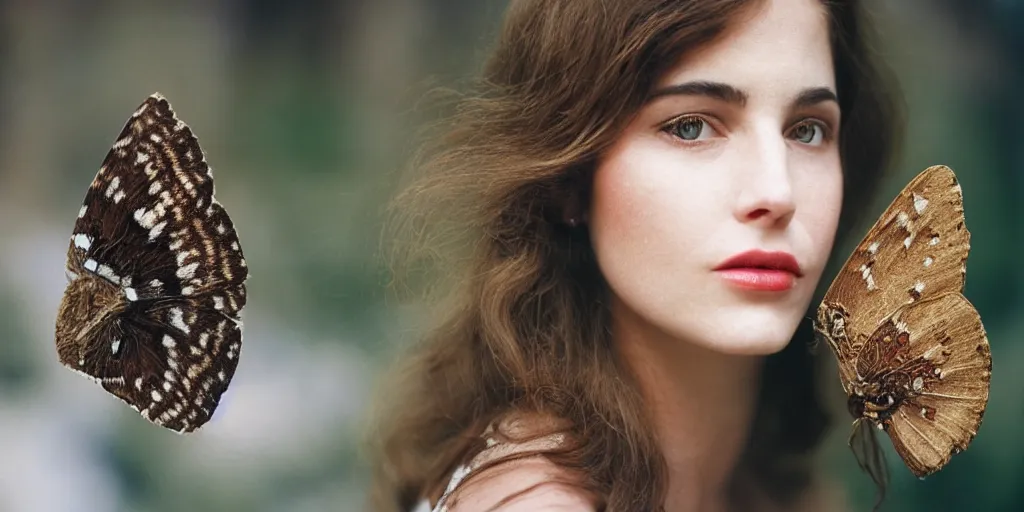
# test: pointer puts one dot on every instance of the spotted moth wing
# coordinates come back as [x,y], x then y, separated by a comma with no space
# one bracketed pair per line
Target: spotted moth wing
[156,276]
[917,249]
[933,357]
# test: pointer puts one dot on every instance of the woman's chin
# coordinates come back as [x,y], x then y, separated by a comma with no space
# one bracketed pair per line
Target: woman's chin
[743,337]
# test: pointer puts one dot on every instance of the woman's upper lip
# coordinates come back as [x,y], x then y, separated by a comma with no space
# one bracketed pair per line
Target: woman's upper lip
[756,258]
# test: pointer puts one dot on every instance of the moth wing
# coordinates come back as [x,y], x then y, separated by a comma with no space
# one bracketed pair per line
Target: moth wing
[150,225]
[916,250]
[150,220]
[948,339]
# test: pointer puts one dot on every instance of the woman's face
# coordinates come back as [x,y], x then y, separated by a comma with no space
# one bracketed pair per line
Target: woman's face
[737,151]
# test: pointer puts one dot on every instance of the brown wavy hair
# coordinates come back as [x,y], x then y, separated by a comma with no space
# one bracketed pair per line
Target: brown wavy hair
[520,307]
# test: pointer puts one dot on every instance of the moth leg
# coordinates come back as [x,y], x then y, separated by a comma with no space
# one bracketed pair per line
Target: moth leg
[870,457]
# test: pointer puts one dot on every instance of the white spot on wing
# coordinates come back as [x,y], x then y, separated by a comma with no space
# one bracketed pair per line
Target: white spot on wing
[114,183]
[920,203]
[168,341]
[90,265]
[82,210]
[145,218]
[188,271]
[928,261]
[109,274]
[902,219]
[873,248]
[865,274]
[155,232]
[114,345]
[83,242]
[177,320]
[130,294]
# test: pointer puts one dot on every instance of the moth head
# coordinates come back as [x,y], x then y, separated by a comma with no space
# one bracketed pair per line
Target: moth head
[831,322]
[855,404]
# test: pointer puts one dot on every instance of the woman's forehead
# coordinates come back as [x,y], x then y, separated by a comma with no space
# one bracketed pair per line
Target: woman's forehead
[785,43]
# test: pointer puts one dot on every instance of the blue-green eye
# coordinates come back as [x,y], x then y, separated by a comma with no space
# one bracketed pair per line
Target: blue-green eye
[689,128]
[810,132]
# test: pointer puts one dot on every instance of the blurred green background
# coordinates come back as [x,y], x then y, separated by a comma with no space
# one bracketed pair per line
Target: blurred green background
[306,111]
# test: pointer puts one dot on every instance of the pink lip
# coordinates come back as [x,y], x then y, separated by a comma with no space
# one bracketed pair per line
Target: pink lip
[761,270]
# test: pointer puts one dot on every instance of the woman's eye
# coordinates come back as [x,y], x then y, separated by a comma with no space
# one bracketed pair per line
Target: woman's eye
[810,133]
[690,128]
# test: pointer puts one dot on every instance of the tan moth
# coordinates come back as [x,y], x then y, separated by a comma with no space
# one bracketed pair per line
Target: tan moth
[913,356]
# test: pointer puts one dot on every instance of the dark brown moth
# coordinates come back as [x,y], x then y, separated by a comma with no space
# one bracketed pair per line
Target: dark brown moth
[155,276]
[913,355]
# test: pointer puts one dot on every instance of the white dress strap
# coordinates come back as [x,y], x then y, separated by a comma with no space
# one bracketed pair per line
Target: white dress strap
[495,449]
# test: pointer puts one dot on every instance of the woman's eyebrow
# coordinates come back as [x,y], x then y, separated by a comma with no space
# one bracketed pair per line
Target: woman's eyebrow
[716,90]
[813,96]
[729,94]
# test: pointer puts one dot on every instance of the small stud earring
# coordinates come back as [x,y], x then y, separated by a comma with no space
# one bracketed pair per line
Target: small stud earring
[573,222]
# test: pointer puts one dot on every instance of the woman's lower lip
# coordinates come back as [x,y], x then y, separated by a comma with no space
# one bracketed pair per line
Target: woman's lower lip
[760,279]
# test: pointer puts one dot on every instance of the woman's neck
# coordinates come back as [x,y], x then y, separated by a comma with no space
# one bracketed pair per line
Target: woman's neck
[702,404]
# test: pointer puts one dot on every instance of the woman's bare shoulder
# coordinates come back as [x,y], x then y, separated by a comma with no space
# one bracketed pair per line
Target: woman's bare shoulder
[527,484]
[514,475]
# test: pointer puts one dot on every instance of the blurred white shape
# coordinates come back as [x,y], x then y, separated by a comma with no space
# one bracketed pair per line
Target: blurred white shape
[290,398]
[47,464]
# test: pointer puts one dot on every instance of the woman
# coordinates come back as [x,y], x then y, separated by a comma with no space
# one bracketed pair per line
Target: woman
[647,193]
